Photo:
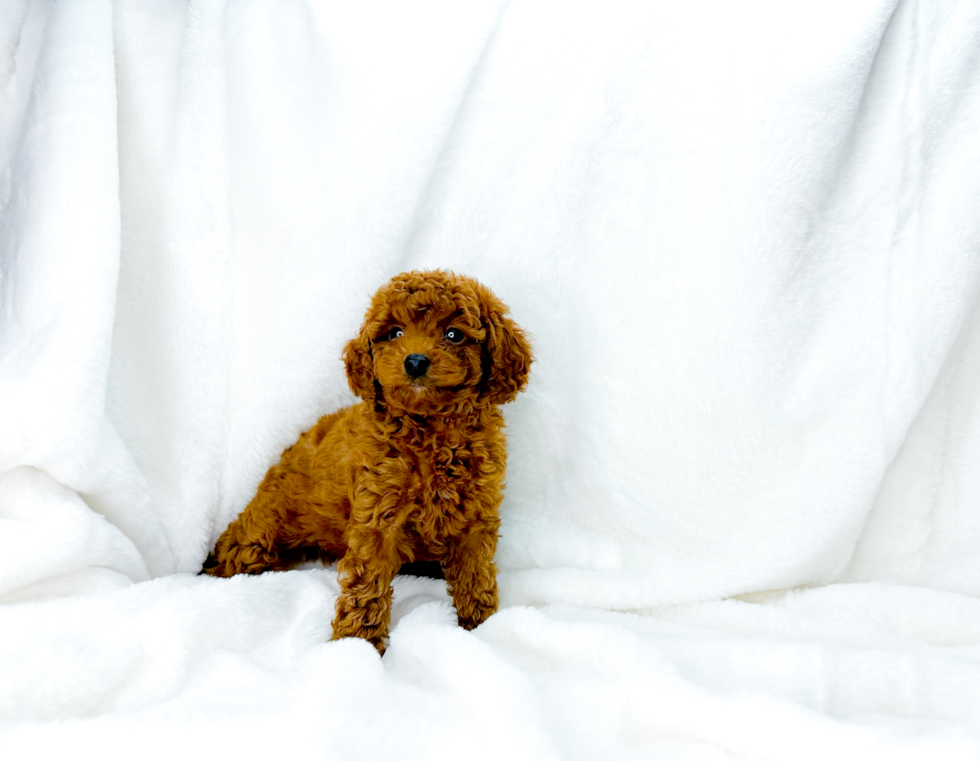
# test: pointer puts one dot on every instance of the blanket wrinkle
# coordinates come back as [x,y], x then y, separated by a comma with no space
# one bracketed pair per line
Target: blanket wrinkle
[467,93]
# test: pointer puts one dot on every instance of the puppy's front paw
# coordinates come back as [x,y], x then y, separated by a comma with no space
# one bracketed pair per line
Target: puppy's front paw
[380,644]
[363,618]
[369,633]
[471,616]
[474,606]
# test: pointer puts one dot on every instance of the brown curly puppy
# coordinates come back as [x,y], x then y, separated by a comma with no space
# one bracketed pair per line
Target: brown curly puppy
[413,472]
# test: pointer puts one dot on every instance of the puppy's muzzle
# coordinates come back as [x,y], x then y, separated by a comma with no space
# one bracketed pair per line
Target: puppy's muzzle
[416,365]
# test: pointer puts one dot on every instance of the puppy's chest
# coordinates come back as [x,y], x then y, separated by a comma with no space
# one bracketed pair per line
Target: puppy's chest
[438,479]
[437,488]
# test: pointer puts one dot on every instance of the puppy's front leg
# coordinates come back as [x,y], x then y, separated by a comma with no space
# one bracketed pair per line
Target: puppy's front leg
[366,572]
[472,575]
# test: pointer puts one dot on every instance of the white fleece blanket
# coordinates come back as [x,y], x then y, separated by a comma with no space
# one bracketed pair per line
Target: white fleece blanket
[743,508]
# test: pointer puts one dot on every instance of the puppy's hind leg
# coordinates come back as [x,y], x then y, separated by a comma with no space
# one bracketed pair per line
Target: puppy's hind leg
[254,542]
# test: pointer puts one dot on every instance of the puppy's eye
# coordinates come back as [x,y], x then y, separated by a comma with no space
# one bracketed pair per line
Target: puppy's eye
[455,335]
[391,334]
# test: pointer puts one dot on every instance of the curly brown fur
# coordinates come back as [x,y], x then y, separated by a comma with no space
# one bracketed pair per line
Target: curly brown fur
[413,472]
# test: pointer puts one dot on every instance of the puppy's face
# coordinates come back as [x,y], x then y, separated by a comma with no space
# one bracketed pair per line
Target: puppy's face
[427,350]
[432,340]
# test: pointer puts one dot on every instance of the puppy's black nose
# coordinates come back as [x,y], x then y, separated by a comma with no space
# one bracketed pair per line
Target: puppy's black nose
[416,365]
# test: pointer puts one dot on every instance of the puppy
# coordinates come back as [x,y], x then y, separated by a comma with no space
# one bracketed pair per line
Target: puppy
[412,472]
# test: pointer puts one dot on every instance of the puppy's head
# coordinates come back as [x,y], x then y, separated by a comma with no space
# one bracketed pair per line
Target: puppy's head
[433,341]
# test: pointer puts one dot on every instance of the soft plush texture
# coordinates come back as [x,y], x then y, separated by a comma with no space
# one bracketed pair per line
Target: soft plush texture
[741,514]
[413,472]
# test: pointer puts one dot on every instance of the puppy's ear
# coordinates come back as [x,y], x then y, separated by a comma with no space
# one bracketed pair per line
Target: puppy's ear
[506,351]
[360,365]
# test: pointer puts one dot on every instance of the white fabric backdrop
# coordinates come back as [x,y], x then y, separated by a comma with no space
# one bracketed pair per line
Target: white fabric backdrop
[745,240]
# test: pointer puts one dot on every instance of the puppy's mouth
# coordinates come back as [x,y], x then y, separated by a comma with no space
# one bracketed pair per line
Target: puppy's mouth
[413,388]
[435,387]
